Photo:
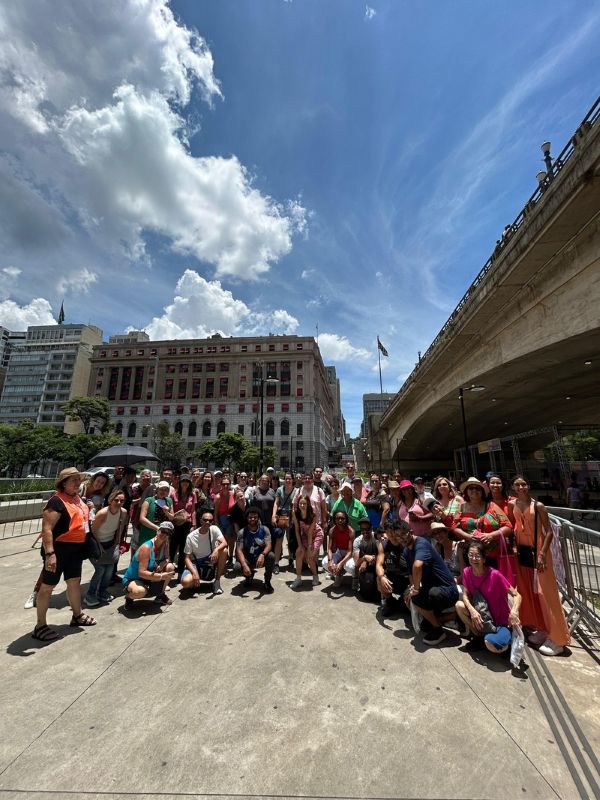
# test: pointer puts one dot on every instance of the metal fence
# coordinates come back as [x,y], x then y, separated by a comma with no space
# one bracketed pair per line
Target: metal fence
[578,576]
[21,514]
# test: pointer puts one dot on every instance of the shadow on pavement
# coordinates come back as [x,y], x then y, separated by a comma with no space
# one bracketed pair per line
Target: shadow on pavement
[141,608]
[26,646]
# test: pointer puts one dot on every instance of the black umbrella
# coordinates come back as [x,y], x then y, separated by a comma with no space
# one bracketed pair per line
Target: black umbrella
[122,454]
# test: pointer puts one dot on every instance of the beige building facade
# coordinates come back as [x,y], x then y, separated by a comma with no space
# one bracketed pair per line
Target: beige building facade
[202,387]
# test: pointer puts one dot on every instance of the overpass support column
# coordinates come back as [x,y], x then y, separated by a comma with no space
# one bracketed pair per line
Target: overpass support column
[517,457]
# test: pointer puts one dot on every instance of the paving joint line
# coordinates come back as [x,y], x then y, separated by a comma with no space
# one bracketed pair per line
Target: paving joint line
[79,696]
[513,740]
[129,793]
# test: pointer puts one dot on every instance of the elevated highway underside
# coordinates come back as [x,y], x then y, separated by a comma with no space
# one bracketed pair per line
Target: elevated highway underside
[524,333]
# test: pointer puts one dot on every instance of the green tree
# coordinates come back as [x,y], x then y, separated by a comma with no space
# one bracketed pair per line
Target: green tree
[169,447]
[88,410]
[80,448]
[226,450]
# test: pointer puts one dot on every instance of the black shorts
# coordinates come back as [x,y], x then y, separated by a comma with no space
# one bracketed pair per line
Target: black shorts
[153,588]
[69,558]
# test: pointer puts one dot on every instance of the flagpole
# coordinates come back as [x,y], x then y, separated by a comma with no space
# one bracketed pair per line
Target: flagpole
[379,361]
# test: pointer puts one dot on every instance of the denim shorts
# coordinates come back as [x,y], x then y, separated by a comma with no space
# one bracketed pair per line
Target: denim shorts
[502,637]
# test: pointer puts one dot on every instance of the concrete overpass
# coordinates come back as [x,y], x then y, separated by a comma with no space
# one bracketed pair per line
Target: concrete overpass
[524,330]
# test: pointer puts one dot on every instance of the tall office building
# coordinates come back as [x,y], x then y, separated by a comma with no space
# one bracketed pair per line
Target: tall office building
[339,424]
[8,340]
[202,387]
[50,366]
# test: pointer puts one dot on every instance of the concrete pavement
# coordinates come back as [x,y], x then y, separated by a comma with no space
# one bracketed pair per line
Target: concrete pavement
[305,694]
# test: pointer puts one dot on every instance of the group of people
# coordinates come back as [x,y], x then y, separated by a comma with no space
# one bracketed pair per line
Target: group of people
[475,558]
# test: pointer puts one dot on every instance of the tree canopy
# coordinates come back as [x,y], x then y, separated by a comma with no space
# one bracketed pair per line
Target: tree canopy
[88,410]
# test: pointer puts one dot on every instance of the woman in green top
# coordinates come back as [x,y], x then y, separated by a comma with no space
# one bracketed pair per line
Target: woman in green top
[353,507]
[154,511]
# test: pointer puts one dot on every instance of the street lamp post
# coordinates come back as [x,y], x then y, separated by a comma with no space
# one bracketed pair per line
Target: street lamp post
[263,380]
[461,397]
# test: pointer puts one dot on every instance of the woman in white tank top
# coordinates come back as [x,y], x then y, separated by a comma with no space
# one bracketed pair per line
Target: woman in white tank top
[106,528]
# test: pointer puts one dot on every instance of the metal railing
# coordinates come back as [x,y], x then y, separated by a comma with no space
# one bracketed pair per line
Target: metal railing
[590,119]
[21,514]
[578,576]
[586,517]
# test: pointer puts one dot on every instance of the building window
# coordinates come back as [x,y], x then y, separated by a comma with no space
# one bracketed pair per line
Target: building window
[242,393]
[147,411]
[271,390]
[140,353]
[153,351]
[299,406]
[120,410]
[192,428]
[115,354]
[224,367]
[184,351]
[179,410]
[299,391]
[182,389]
[206,428]
[138,382]
[299,429]
[244,348]
[112,383]
[170,368]
[220,426]
[196,388]
[103,354]
[172,351]
[210,387]
[285,427]
[270,407]
[128,353]
[119,428]
[198,350]
[299,346]
[207,409]
[149,396]
[285,389]
[210,367]
[193,409]
[271,370]
[223,387]
[221,409]
[184,367]
[145,431]
[257,348]
[299,445]
[270,428]
[169,389]
[178,427]
[197,368]
[286,346]
[241,430]
[225,348]
[241,408]
[133,410]
[254,407]
[131,430]
[166,409]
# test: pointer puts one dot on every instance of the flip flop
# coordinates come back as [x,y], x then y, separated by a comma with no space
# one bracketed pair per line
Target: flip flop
[82,621]
[44,634]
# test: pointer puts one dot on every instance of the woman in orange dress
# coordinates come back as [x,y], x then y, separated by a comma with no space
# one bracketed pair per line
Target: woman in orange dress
[540,610]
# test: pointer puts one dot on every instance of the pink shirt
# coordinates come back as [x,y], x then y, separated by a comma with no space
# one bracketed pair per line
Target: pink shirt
[494,587]
[420,527]
[316,498]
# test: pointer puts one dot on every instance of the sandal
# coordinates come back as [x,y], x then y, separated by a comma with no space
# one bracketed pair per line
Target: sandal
[82,621]
[44,634]
[163,600]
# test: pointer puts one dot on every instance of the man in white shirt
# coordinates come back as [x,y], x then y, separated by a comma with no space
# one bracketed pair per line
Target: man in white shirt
[205,555]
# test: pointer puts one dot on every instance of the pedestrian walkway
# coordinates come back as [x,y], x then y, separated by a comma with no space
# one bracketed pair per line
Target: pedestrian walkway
[305,694]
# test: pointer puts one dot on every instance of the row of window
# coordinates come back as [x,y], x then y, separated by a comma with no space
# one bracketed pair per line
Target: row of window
[184,351]
[192,430]
[242,409]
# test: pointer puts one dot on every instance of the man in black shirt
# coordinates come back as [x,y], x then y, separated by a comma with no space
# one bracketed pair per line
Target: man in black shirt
[391,569]
[365,552]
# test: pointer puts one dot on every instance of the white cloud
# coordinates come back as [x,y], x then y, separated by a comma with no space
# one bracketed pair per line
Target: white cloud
[18,318]
[201,308]
[12,272]
[369,12]
[307,274]
[77,282]
[93,131]
[338,348]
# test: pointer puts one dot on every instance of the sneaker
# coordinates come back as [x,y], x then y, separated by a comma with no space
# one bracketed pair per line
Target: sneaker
[129,602]
[387,607]
[269,588]
[31,600]
[435,636]
[539,637]
[217,587]
[163,600]
[355,586]
[92,602]
[296,583]
[276,569]
[316,581]
[549,648]
[337,581]
[106,598]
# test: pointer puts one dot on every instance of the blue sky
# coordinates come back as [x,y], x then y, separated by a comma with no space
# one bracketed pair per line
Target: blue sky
[261,165]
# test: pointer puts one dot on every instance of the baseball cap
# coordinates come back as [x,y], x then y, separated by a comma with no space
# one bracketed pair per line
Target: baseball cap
[166,526]
[163,485]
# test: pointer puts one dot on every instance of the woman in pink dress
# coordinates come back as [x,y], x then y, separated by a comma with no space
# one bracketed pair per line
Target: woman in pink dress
[309,536]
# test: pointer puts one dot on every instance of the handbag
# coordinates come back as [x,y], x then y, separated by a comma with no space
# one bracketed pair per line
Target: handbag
[526,554]
[480,605]
[506,563]
[92,549]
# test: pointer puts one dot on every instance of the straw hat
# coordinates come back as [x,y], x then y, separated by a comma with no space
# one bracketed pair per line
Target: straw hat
[62,476]
[472,482]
